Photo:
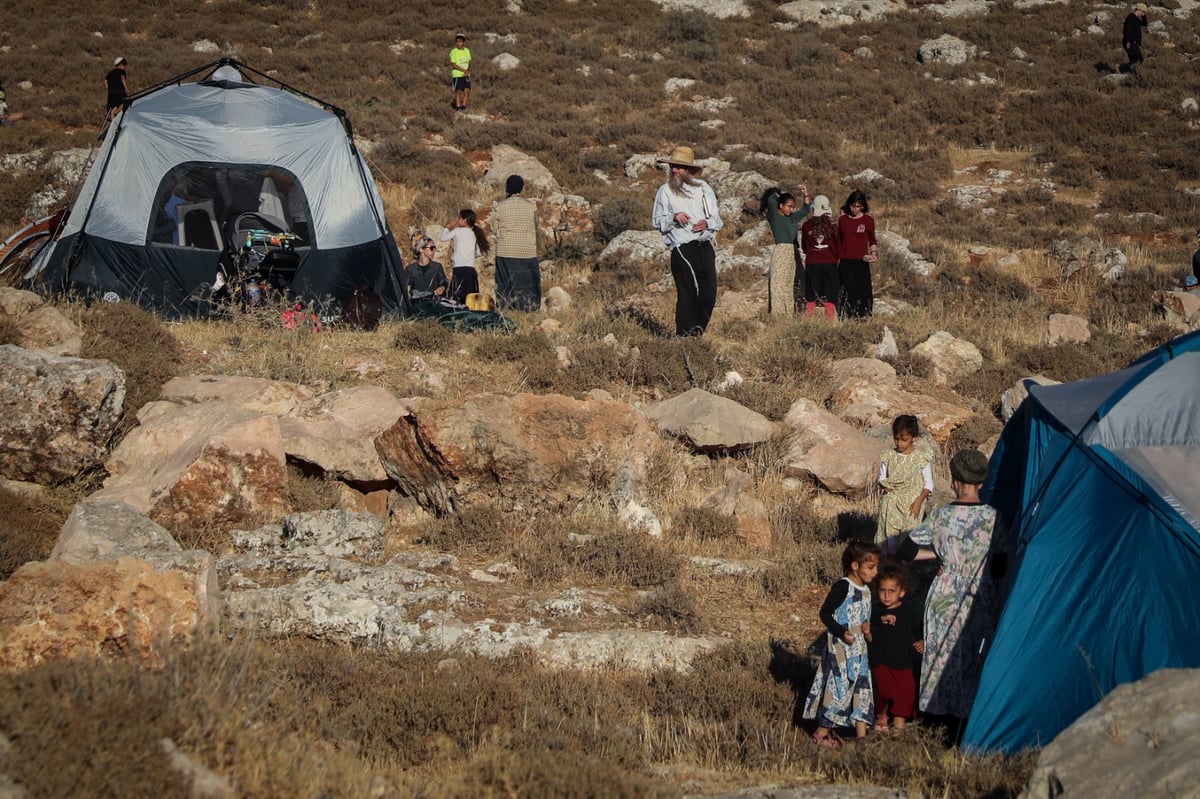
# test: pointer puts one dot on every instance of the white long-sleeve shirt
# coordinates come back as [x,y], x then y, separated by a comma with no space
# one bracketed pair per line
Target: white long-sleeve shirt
[698,202]
[466,249]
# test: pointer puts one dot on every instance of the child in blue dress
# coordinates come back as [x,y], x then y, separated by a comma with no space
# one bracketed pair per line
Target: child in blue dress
[842,694]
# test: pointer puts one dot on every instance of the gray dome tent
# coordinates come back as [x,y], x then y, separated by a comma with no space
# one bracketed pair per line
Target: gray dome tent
[183,161]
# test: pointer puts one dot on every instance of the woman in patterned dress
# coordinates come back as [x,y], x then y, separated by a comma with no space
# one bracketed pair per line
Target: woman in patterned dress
[962,607]
[842,694]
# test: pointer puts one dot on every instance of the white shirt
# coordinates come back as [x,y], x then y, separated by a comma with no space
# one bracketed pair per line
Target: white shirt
[466,250]
[698,202]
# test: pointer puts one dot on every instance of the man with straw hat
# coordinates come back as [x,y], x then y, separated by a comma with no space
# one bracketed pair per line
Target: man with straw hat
[1131,37]
[686,213]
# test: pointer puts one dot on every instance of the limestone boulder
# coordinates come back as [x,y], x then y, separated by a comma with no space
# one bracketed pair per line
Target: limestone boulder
[254,394]
[335,433]
[508,160]
[946,49]
[825,449]
[47,329]
[1087,253]
[1179,307]
[15,302]
[563,216]
[1011,398]
[97,608]
[896,249]
[1064,328]
[99,530]
[710,423]
[57,414]
[523,450]
[952,358]
[1141,740]
[736,498]
[211,461]
[867,392]
[636,245]
[836,13]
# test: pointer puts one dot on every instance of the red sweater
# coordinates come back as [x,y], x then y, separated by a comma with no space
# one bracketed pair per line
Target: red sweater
[856,236]
[817,249]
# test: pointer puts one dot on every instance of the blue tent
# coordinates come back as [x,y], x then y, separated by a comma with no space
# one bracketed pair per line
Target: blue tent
[1099,481]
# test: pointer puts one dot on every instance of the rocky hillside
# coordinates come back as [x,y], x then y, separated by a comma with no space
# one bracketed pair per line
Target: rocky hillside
[586,491]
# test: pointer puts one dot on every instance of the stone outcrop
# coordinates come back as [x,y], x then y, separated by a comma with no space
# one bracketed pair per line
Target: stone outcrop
[1141,740]
[946,49]
[1086,253]
[214,460]
[829,451]
[710,423]
[56,414]
[867,391]
[335,433]
[952,358]
[1064,328]
[1011,398]
[518,449]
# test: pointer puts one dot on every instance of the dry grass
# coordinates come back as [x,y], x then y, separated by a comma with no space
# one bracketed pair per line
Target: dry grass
[330,721]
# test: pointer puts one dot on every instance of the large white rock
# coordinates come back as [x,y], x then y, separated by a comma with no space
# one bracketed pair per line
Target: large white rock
[827,450]
[1141,740]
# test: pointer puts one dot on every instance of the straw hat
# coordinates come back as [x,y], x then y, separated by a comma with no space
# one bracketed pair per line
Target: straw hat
[680,156]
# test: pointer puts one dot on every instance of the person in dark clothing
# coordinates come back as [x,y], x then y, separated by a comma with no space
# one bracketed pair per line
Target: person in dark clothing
[1131,37]
[895,647]
[1196,257]
[425,279]
[117,86]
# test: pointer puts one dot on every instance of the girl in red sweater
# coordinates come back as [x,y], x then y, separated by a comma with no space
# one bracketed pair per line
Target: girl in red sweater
[856,237]
[819,242]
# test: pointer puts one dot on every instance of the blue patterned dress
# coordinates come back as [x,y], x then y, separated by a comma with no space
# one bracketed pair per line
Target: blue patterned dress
[842,692]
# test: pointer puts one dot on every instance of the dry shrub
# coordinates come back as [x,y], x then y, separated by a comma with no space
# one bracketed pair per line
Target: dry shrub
[705,524]
[424,336]
[9,333]
[138,342]
[985,386]
[818,552]
[973,433]
[308,489]
[479,528]
[670,605]
[31,528]
[622,557]
[531,346]
[618,214]
[675,365]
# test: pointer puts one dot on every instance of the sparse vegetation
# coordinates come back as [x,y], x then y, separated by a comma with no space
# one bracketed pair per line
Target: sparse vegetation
[304,719]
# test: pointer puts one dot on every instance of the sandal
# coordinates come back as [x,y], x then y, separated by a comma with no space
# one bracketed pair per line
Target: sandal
[827,741]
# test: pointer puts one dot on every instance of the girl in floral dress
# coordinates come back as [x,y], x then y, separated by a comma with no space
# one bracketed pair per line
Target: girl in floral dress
[842,694]
[906,476]
[962,606]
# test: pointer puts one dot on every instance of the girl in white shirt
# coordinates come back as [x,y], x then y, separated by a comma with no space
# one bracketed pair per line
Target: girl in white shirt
[470,242]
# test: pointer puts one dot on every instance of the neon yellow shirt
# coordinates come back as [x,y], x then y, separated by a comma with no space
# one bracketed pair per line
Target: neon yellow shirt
[460,60]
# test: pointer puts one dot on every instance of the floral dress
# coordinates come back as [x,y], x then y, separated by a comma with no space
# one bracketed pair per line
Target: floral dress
[842,692]
[961,609]
[904,484]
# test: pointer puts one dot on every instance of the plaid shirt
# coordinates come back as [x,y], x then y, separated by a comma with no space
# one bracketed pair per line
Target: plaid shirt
[514,224]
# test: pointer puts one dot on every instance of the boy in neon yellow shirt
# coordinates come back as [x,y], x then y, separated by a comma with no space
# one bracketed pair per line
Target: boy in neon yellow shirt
[460,71]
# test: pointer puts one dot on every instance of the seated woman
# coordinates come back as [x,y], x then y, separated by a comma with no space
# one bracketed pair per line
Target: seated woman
[425,279]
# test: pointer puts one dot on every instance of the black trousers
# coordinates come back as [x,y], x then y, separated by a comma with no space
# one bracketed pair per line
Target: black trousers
[694,267]
[463,281]
[1135,57]
[855,276]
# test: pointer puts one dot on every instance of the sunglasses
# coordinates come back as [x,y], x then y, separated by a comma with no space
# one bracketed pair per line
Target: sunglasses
[429,247]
